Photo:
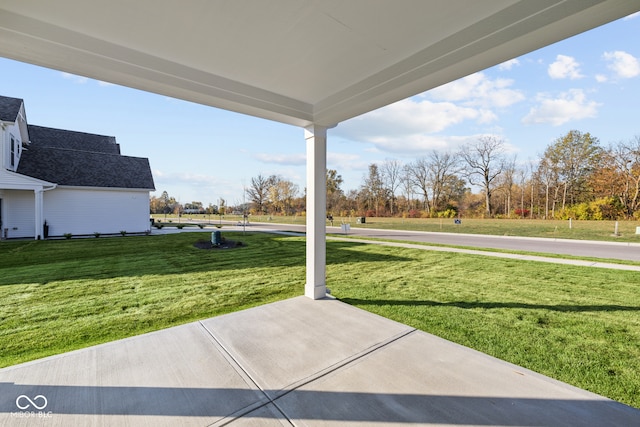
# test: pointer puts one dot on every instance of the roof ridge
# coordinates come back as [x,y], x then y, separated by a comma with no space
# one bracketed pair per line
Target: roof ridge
[49,147]
[75,131]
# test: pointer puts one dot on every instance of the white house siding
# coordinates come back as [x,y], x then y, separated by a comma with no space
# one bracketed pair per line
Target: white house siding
[18,214]
[82,211]
[18,131]
[10,130]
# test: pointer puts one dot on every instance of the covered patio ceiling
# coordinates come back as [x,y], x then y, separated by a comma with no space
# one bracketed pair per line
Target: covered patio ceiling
[308,63]
[300,62]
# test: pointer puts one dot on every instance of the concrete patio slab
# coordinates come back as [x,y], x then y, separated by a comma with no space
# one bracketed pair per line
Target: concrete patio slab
[291,342]
[425,380]
[177,376]
[295,362]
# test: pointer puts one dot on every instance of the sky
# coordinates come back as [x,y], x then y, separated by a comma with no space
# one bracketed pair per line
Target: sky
[590,83]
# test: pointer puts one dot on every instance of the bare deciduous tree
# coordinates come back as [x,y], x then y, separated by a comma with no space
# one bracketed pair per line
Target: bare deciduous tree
[258,192]
[484,161]
[391,171]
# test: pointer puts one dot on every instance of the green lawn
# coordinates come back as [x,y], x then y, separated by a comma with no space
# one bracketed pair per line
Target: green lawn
[577,324]
[60,295]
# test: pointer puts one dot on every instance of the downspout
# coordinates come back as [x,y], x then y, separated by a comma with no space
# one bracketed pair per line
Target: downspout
[39,207]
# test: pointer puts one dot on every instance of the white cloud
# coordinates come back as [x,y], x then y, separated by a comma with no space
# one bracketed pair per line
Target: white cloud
[601,78]
[188,187]
[408,126]
[345,162]
[623,64]
[507,65]
[406,119]
[83,80]
[421,144]
[296,159]
[192,179]
[76,79]
[565,67]
[571,105]
[477,90]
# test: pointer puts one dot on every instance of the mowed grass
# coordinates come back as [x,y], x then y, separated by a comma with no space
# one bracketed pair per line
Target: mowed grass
[580,325]
[577,324]
[57,296]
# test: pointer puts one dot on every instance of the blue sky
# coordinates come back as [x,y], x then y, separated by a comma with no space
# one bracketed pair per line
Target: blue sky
[590,82]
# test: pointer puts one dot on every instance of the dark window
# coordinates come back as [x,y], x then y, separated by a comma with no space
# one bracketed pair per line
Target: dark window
[13,151]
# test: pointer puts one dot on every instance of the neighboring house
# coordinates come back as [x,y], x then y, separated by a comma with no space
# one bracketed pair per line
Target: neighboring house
[75,182]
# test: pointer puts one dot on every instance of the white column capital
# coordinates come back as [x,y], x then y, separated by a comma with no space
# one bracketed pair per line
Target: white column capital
[314,131]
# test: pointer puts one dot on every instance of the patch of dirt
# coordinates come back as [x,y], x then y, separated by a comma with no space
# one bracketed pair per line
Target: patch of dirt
[227,244]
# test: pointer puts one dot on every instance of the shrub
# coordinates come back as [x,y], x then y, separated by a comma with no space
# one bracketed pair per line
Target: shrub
[414,213]
[67,235]
[180,226]
[123,232]
[96,234]
[449,213]
[201,226]
[607,208]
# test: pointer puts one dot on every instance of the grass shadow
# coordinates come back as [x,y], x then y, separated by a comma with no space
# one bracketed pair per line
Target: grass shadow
[565,308]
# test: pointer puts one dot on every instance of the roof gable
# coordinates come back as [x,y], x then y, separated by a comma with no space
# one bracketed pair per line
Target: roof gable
[9,108]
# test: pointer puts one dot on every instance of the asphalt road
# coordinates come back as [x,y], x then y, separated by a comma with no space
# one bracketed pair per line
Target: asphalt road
[580,248]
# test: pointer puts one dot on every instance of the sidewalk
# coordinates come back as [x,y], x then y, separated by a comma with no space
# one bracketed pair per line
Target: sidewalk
[295,362]
[536,258]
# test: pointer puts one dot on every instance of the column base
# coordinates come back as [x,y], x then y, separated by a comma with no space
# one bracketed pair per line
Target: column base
[315,292]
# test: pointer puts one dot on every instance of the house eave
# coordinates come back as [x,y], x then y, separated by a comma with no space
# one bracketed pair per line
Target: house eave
[80,187]
[23,182]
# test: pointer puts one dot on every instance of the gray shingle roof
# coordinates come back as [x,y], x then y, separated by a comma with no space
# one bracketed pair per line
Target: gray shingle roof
[72,140]
[82,159]
[9,108]
[85,168]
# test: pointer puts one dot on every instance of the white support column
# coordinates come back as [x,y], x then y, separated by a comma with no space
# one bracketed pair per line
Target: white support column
[316,137]
[39,207]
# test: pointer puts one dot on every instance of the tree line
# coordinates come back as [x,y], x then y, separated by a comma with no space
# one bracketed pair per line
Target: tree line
[166,205]
[575,177]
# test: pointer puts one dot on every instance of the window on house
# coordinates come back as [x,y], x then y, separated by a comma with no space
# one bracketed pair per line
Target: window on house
[13,151]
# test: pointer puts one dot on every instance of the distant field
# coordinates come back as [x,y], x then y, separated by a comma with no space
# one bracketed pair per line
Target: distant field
[580,230]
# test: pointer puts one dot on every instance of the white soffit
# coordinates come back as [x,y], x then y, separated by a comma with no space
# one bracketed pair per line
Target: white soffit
[293,61]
